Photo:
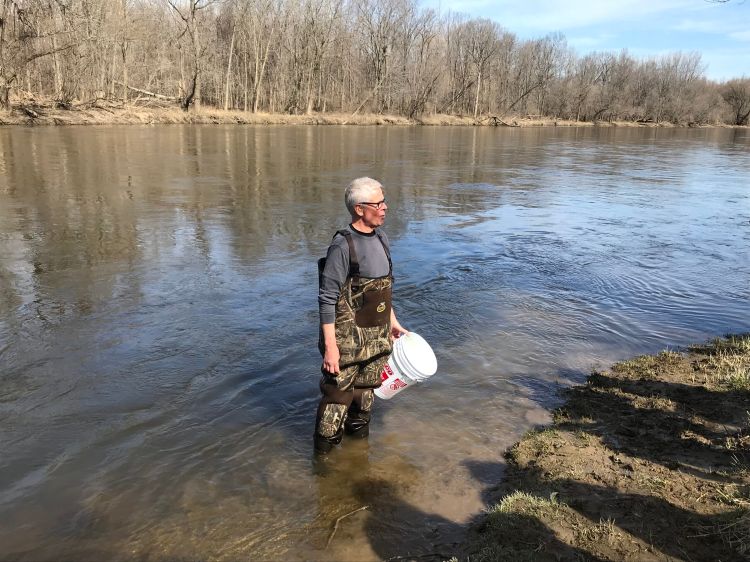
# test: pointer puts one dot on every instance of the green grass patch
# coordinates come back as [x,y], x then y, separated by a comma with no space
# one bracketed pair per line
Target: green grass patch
[527,504]
[734,344]
[518,528]
[728,361]
[647,366]
[536,443]
[732,370]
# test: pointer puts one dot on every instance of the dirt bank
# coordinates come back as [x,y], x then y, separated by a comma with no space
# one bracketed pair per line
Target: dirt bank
[649,461]
[107,113]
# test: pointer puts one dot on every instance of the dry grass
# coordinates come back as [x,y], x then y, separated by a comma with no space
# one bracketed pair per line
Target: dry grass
[527,504]
[535,443]
[601,532]
[107,113]
[734,343]
[732,370]
[728,360]
[655,403]
[663,439]
[652,483]
[736,530]
[736,533]
[521,516]
[148,112]
[647,366]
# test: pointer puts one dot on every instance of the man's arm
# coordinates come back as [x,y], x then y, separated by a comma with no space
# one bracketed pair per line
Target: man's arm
[331,355]
[333,278]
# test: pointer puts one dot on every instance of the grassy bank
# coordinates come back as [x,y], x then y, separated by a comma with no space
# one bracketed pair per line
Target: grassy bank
[649,461]
[105,113]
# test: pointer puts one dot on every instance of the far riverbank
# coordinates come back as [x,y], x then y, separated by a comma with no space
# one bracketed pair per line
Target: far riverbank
[104,113]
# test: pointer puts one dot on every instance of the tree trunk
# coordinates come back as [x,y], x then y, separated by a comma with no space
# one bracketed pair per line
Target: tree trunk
[308,94]
[124,51]
[476,99]
[111,78]
[229,72]
[256,74]
[192,92]
[260,69]
[183,82]
[247,82]
[124,74]
[57,69]
[259,81]
[5,97]
[197,78]
[146,92]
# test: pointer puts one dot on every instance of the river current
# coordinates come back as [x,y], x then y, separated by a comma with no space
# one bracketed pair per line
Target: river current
[158,321]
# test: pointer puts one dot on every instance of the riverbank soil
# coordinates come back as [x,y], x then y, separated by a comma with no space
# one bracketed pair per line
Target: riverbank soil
[31,112]
[649,461]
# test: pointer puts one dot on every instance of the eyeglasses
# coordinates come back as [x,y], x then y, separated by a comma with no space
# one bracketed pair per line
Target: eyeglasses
[379,205]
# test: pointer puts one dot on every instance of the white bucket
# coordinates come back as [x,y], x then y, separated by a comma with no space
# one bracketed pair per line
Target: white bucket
[412,361]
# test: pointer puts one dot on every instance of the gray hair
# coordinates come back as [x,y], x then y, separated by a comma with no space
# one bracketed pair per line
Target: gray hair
[358,191]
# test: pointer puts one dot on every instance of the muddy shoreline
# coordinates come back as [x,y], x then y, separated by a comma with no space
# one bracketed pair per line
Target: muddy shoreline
[647,461]
[107,113]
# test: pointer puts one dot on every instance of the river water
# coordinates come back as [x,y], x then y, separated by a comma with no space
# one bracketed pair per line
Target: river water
[158,321]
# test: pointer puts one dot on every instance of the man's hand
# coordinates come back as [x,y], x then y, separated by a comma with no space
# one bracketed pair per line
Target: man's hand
[331,359]
[331,356]
[397,330]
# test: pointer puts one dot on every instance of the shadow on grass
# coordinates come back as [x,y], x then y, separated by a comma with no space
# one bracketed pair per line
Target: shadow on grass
[392,523]
[663,528]
[642,463]
[673,424]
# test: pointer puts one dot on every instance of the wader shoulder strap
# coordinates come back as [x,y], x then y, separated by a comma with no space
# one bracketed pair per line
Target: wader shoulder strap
[353,261]
[387,252]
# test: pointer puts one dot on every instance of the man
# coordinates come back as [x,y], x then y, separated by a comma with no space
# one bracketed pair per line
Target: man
[357,322]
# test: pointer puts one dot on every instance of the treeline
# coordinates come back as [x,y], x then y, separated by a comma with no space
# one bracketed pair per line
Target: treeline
[303,56]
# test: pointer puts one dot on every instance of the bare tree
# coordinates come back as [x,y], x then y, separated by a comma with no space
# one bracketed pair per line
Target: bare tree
[737,95]
[533,70]
[589,71]
[229,17]
[378,22]
[188,12]
[482,44]
[124,41]
[266,19]
[611,89]
[458,62]
[28,33]
[422,64]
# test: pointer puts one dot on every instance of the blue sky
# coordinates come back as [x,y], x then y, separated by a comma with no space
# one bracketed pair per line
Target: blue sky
[646,28]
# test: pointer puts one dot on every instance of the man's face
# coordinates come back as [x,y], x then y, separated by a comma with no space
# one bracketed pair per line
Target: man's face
[373,210]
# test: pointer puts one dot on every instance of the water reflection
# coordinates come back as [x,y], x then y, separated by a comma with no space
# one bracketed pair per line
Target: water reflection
[158,319]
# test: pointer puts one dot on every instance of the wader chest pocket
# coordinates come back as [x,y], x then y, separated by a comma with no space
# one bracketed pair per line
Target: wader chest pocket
[375,308]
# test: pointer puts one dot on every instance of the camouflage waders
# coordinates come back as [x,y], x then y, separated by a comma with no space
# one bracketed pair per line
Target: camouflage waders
[363,336]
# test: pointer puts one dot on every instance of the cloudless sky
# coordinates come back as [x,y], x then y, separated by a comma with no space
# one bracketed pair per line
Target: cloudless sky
[720,32]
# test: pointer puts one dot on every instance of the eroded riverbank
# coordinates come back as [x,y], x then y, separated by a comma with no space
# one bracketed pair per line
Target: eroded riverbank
[648,461]
[106,113]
